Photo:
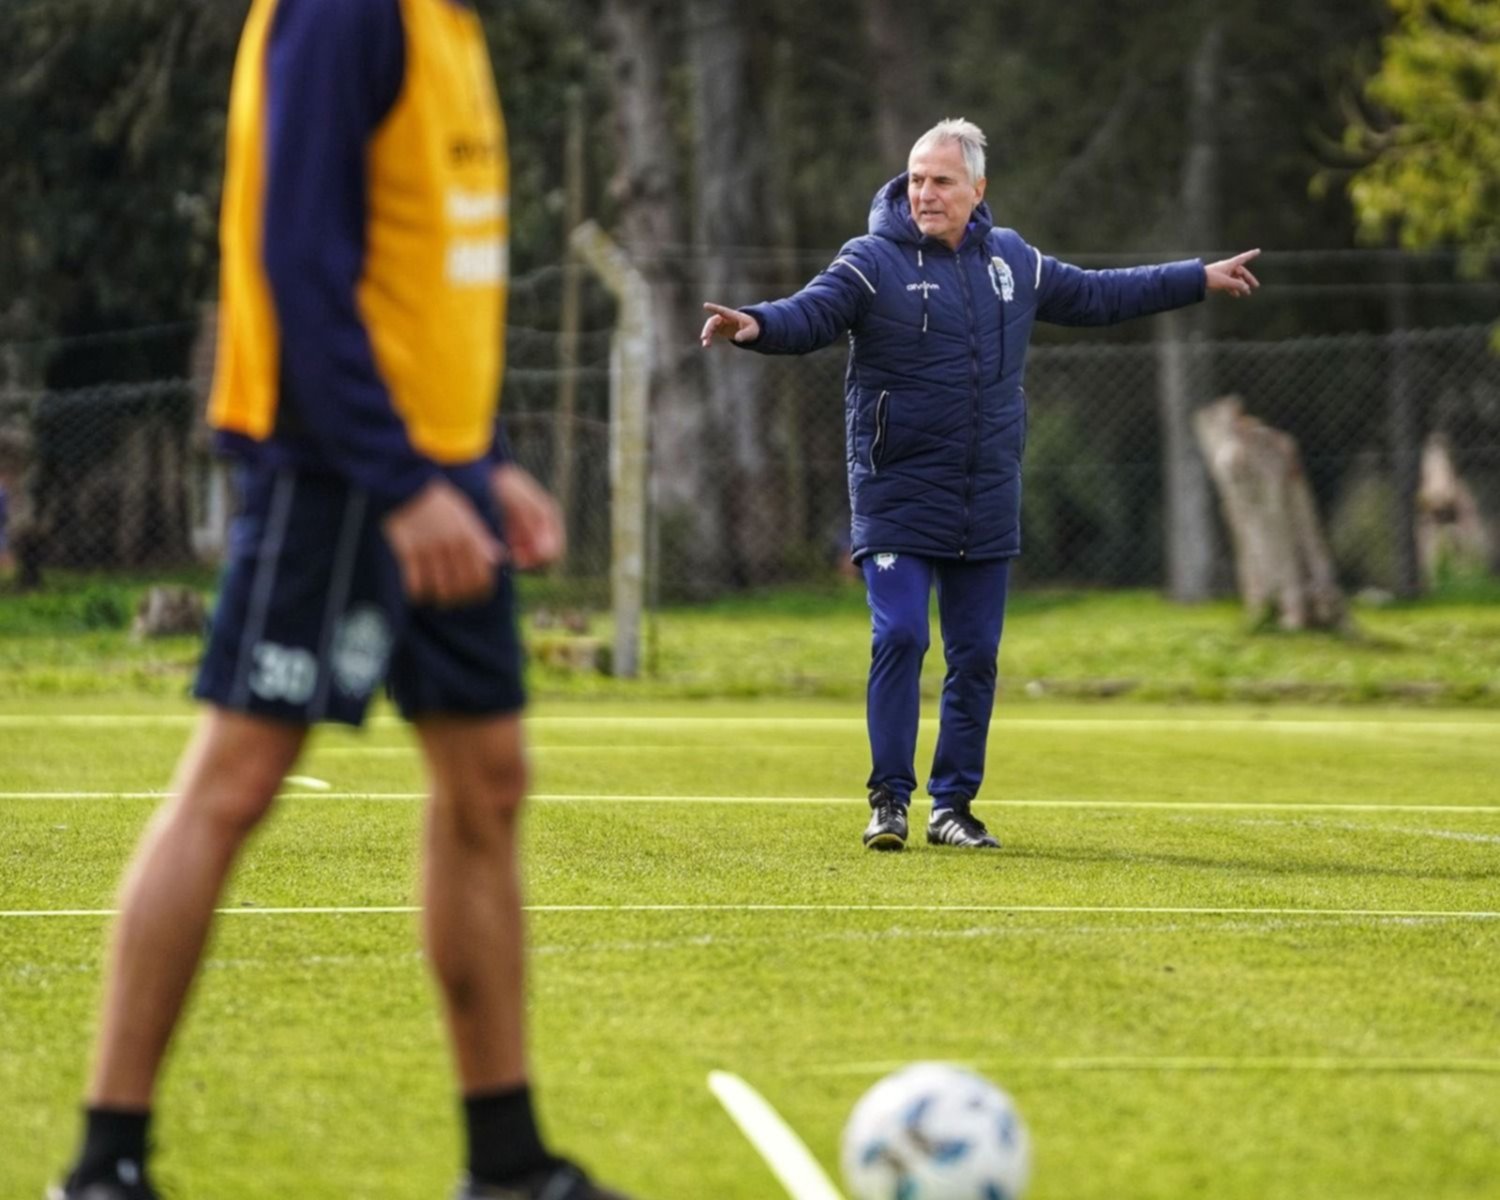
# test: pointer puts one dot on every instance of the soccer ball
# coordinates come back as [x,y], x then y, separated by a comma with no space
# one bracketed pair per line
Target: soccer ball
[936,1132]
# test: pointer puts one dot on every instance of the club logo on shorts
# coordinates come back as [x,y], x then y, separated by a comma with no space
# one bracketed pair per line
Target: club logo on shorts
[1001,279]
[885,562]
[361,650]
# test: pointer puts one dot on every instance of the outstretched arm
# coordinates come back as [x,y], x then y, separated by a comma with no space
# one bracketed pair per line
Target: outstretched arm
[823,311]
[1069,295]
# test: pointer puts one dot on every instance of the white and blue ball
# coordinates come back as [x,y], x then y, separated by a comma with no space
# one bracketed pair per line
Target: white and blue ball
[936,1132]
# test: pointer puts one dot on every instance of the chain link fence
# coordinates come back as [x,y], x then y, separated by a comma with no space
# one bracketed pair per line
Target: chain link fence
[120,476]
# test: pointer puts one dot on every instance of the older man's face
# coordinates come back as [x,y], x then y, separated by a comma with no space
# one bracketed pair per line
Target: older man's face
[941,194]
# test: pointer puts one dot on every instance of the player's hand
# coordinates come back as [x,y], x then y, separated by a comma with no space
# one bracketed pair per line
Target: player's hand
[730,324]
[446,552]
[534,525]
[1232,275]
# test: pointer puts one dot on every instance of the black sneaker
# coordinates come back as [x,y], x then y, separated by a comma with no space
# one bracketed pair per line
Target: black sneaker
[955,825]
[887,827]
[561,1181]
[130,1183]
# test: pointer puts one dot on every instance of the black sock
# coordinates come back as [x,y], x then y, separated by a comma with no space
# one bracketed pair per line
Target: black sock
[112,1136]
[503,1140]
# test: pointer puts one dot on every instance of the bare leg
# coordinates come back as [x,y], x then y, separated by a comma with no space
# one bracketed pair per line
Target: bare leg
[472,893]
[226,782]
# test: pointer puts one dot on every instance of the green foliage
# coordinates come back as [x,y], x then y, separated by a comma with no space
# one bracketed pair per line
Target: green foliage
[111,131]
[542,51]
[76,604]
[1084,108]
[1435,177]
[94,606]
[816,643]
[112,115]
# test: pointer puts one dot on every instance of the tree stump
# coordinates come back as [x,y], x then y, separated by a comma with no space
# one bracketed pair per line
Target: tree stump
[1282,564]
[169,612]
[1451,531]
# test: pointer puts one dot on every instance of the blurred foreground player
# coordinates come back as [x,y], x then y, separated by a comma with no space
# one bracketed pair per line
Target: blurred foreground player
[364,239]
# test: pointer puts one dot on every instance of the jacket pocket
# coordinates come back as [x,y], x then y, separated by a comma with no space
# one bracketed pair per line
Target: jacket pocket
[879,441]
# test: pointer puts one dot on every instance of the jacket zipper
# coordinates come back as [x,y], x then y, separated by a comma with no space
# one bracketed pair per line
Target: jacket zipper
[878,443]
[963,279]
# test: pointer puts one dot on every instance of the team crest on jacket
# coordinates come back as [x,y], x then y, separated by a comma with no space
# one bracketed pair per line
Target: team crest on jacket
[1001,279]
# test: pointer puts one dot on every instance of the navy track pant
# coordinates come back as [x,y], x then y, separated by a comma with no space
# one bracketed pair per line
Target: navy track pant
[971,613]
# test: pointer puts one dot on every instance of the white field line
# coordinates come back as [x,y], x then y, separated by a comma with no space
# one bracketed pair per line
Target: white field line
[564,748]
[1169,724]
[1331,1065]
[1030,909]
[1311,725]
[785,1153]
[1202,806]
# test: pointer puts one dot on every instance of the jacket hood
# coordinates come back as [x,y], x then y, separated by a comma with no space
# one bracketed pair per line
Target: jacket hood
[890,216]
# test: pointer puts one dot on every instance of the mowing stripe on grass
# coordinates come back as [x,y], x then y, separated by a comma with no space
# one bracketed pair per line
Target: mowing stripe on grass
[1188,1063]
[785,1153]
[1413,914]
[597,798]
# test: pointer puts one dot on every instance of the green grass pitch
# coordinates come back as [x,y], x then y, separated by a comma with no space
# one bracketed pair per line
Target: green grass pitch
[1226,953]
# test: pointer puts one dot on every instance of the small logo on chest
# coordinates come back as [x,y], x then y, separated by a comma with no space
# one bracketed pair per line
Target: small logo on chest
[1001,279]
[924,287]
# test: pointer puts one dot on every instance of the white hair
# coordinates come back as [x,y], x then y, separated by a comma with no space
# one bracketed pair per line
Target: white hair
[966,135]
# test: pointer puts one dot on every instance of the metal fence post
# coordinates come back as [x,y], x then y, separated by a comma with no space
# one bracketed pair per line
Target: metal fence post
[629,397]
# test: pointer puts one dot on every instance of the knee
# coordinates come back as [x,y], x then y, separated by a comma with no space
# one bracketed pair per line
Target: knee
[228,802]
[977,661]
[902,637]
[484,800]
[231,773]
[500,784]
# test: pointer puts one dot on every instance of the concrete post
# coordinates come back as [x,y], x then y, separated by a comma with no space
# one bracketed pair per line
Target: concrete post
[629,399]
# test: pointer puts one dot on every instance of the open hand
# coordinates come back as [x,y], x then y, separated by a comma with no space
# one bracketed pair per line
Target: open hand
[1232,275]
[534,526]
[446,553]
[730,324]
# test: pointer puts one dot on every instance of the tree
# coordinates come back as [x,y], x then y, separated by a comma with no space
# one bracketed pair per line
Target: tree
[111,132]
[111,138]
[1434,173]
[899,35]
[1185,374]
[648,189]
[731,151]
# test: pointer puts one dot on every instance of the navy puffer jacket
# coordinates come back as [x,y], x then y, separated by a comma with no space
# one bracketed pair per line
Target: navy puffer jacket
[935,416]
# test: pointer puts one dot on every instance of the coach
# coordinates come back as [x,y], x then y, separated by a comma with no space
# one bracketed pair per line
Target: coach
[938,304]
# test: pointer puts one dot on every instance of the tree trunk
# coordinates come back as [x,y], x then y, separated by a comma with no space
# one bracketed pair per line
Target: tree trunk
[569,319]
[1451,534]
[731,153]
[1404,437]
[899,41]
[792,414]
[1281,558]
[651,225]
[1186,373]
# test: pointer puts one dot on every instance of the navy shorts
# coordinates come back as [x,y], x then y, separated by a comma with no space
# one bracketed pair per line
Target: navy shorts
[312,619]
